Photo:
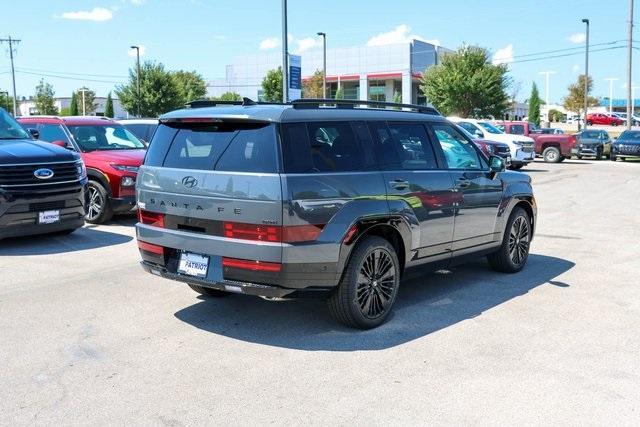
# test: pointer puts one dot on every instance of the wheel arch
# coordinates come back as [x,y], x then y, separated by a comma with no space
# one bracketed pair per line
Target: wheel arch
[98,176]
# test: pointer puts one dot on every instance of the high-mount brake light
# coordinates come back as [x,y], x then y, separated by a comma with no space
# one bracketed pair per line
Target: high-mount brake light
[192,120]
[151,218]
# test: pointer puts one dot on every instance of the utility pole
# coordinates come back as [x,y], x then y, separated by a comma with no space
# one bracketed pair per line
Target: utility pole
[285,54]
[586,74]
[630,108]
[84,110]
[13,71]
[611,80]
[546,88]
[137,48]
[324,64]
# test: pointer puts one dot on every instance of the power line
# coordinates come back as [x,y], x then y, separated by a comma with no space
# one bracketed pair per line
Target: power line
[69,78]
[13,71]
[69,73]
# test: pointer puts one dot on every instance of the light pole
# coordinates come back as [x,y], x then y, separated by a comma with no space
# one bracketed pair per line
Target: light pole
[546,89]
[611,80]
[630,108]
[586,73]
[324,64]
[84,110]
[285,54]
[137,48]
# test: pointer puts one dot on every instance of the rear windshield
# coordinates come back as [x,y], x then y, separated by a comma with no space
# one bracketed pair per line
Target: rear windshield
[231,147]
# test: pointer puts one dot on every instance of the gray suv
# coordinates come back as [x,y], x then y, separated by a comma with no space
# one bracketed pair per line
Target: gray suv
[335,199]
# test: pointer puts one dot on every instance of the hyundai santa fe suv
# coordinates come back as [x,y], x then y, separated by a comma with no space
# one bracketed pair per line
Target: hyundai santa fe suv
[110,152]
[335,199]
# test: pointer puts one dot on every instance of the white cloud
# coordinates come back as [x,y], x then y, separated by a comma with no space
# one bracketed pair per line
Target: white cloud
[132,52]
[504,55]
[138,2]
[400,34]
[577,38]
[97,14]
[308,43]
[269,43]
[575,69]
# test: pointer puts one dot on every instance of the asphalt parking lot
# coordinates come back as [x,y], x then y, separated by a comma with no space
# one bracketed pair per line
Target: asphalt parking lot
[89,338]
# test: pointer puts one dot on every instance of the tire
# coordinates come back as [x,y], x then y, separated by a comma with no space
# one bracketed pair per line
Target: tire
[517,236]
[362,300]
[208,291]
[612,157]
[562,159]
[551,155]
[599,154]
[579,157]
[517,167]
[589,123]
[624,159]
[99,208]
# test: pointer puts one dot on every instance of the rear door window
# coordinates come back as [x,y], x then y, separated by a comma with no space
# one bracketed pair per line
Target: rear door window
[401,146]
[325,147]
[232,147]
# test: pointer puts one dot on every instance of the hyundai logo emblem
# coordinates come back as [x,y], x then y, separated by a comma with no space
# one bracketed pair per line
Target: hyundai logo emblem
[189,181]
[43,173]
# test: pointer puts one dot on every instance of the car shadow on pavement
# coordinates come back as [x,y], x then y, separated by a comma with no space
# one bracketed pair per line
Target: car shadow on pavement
[48,244]
[425,305]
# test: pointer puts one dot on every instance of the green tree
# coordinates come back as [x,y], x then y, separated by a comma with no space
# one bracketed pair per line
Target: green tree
[272,85]
[108,108]
[45,104]
[191,86]
[158,91]
[574,101]
[534,105]
[229,96]
[312,87]
[466,83]
[339,94]
[73,106]
[397,97]
[6,101]
[86,99]
[556,115]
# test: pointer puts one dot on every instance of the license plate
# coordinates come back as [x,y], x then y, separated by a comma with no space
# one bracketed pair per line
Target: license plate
[48,217]
[193,264]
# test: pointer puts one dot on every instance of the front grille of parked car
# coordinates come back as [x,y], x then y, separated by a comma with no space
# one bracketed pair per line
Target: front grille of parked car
[629,148]
[46,206]
[23,175]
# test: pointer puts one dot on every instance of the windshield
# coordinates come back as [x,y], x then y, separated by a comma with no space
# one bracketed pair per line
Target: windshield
[627,135]
[489,127]
[590,135]
[104,137]
[9,128]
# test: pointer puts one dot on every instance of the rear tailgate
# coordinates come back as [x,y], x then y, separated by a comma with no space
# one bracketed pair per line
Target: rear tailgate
[217,189]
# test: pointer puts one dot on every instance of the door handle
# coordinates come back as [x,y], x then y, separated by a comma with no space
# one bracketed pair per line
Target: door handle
[463,182]
[399,184]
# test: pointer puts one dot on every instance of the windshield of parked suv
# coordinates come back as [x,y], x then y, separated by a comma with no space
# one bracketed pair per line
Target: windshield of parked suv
[10,129]
[489,127]
[104,137]
[629,135]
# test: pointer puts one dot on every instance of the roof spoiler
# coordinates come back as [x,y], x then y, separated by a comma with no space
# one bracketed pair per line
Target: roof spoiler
[202,103]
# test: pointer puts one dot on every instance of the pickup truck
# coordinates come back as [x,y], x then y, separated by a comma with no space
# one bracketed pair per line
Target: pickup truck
[553,148]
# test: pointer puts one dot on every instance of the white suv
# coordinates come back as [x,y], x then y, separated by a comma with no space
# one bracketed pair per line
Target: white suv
[522,152]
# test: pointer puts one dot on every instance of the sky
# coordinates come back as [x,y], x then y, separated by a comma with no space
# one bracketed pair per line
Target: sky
[72,43]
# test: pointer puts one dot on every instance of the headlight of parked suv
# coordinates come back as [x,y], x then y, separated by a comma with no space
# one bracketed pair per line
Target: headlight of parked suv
[81,169]
[128,181]
[125,168]
[490,149]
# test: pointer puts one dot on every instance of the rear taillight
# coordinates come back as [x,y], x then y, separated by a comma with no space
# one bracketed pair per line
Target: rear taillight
[262,233]
[151,218]
[244,264]
[149,247]
[272,233]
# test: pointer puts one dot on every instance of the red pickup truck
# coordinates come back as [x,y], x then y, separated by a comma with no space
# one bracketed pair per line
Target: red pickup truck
[553,148]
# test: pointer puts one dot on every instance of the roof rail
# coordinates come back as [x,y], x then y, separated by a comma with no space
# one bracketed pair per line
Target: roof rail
[354,103]
[201,103]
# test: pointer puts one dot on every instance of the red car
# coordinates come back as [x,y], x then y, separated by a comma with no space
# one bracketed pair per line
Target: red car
[111,154]
[603,119]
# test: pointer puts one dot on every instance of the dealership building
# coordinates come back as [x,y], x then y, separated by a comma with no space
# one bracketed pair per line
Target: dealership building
[378,73]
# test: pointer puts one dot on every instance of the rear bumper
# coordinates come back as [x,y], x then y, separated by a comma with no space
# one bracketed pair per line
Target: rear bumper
[589,151]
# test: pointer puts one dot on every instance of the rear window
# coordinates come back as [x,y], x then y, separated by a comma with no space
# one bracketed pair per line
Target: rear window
[221,147]
[516,129]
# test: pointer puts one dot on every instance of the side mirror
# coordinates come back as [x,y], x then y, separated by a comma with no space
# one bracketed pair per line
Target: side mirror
[496,164]
[34,133]
[59,143]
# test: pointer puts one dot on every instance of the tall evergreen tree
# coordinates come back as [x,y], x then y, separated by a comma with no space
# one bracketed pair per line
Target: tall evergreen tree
[108,108]
[73,107]
[534,105]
